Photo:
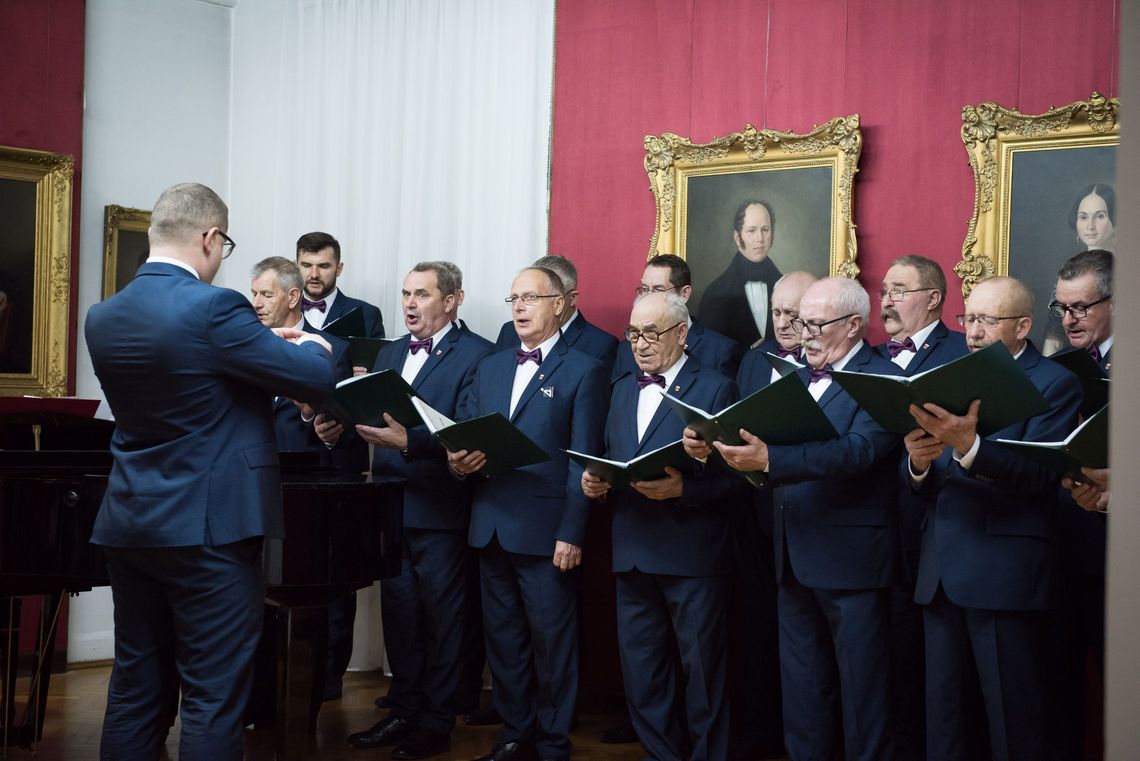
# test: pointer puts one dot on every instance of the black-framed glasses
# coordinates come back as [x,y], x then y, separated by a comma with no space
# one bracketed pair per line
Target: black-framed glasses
[650,336]
[641,290]
[899,294]
[968,320]
[530,299]
[1078,311]
[815,329]
[228,244]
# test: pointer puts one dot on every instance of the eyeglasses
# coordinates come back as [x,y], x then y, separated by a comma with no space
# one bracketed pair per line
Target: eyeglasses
[228,244]
[530,299]
[899,294]
[1078,311]
[968,320]
[650,336]
[641,290]
[815,329]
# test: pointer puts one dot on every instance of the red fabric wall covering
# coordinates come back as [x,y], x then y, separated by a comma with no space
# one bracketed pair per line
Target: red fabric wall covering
[41,107]
[704,68]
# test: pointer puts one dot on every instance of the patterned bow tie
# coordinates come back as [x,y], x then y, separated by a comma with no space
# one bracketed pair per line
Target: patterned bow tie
[415,346]
[895,348]
[306,305]
[820,374]
[1094,352]
[522,357]
[793,354]
[644,379]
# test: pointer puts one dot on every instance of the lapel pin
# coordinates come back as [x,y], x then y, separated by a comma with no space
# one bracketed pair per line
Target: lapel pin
[548,392]
[541,376]
[926,346]
[676,388]
[438,352]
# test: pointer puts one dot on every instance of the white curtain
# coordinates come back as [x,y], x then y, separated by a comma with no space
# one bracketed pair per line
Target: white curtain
[408,129]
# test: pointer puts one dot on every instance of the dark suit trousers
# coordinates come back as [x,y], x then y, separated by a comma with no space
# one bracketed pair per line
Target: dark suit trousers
[1005,647]
[200,607]
[835,662]
[530,625]
[695,609]
[423,612]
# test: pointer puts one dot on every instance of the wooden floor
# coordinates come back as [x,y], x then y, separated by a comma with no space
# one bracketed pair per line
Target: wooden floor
[78,698]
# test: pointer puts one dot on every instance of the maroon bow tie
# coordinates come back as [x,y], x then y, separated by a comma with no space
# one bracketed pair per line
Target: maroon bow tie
[793,354]
[1094,352]
[895,348]
[306,305]
[522,357]
[820,374]
[415,346]
[644,379]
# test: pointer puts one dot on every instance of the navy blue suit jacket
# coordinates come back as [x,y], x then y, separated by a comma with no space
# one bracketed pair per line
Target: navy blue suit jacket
[529,508]
[988,533]
[343,303]
[190,374]
[836,512]
[941,346]
[433,498]
[687,536]
[580,334]
[714,351]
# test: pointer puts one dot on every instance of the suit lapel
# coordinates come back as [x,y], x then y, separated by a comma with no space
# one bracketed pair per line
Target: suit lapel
[572,332]
[855,365]
[541,376]
[627,397]
[922,353]
[436,356]
[680,386]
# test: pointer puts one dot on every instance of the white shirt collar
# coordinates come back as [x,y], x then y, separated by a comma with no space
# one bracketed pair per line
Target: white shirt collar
[1105,346]
[436,336]
[175,262]
[920,335]
[300,324]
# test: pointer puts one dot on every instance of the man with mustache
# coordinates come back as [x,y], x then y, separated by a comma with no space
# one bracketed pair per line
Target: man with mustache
[836,541]
[736,304]
[911,300]
[987,567]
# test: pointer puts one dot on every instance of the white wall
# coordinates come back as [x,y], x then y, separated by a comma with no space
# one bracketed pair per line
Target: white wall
[157,112]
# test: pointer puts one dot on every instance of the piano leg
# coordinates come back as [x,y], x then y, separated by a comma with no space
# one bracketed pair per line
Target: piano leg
[302,633]
[9,660]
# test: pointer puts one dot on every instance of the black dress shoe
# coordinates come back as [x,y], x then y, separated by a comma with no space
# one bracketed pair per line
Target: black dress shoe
[622,733]
[484,717]
[509,752]
[390,731]
[422,744]
[382,702]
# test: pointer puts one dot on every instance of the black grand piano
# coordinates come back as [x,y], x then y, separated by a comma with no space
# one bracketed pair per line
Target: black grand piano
[342,534]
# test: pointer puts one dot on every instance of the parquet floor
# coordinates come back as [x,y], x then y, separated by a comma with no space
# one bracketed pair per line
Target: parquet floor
[77,700]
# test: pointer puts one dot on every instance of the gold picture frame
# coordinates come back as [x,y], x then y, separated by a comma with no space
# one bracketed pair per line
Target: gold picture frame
[804,181]
[125,245]
[1029,170]
[35,271]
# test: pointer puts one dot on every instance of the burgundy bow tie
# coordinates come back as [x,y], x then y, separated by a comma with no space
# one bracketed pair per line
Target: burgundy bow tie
[306,305]
[644,379]
[788,353]
[895,348]
[1094,352]
[522,357]
[825,372]
[415,346]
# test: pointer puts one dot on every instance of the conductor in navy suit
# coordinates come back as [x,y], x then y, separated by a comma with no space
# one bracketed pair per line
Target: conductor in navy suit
[190,376]
[423,608]
[668,273]
[987,568]
[670,544]
[318,256]
[529,524]
[911,302]
[836,541]
[577,332]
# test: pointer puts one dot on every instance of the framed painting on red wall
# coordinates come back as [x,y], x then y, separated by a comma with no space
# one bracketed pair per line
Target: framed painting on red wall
[745,208]
[1044,190]
[126,246]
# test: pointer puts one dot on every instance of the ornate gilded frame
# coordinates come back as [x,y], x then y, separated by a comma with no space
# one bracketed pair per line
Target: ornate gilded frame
[992,136]
[116,221]
[51,175]
[671,160]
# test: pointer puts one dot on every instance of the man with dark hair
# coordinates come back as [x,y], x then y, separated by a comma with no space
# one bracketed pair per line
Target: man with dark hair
[529,524]
[576,331]
[190,373]
[911,301]
[423,608]
[667,273]
[744,289]
[318,256]
[987,567]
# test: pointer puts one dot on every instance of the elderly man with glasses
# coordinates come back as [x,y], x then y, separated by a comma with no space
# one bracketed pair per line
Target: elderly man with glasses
[836,541]
[987,567]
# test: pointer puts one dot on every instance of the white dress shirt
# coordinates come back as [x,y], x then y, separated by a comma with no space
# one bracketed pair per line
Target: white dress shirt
[823,383]
[526,371]
[649,398]
[315,316]
[175,262]
[413,363]
[903,358]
